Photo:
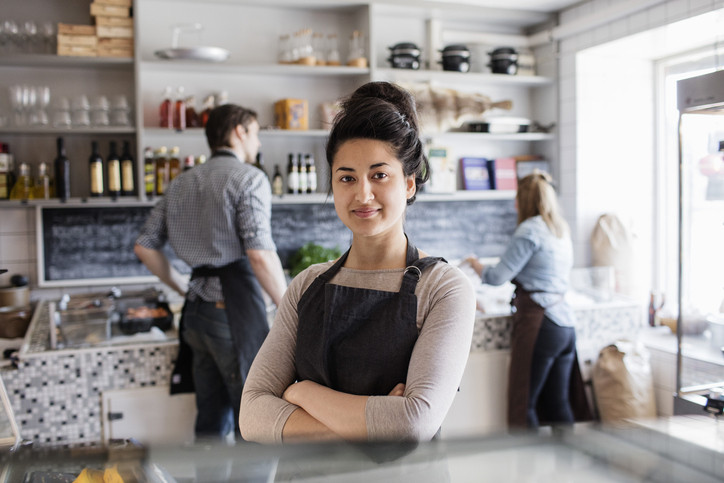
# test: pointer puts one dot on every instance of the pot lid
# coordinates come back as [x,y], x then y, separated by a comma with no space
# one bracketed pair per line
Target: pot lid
[404,46]
[455,47]
[504,50]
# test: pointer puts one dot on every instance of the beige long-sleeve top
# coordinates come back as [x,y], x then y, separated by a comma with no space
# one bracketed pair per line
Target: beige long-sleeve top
[445,318]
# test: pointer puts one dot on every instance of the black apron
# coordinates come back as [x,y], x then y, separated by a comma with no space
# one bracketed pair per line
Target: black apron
[527,320]
[358,341]
[245,311]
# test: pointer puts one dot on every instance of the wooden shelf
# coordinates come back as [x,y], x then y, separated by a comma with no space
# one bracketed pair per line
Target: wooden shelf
[49,60]
[67,131]
[252,69]
[199,132]
[443,76]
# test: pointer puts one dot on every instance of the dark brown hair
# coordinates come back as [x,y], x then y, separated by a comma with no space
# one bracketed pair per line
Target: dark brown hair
[223,120]
[383,112]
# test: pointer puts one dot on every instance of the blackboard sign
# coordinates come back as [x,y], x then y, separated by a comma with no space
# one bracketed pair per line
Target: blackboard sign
[94,244]
[451,229]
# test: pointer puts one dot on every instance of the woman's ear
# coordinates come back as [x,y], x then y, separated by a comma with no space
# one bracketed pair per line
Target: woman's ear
[411,186]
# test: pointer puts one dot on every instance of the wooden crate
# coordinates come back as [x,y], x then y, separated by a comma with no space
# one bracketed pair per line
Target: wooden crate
[77,51]
[78,40]
[102,20]
[114,32]
[98,9]
[70,29]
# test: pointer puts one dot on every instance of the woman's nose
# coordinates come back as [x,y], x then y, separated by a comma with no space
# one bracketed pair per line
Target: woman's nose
[364,191]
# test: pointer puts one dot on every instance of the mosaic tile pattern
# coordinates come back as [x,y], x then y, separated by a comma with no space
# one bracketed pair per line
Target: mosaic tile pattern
[57,397]
[597,326]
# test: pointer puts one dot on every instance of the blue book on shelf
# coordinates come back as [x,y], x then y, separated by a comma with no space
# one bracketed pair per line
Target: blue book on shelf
[476,173]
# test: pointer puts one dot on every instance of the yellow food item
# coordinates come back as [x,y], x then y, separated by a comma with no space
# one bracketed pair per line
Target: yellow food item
[90,476]
[111,475]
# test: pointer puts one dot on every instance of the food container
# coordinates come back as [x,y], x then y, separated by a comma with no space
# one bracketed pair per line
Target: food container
[500,125]
[504,60]
[456,58]
[84,327]
[14,296]
[404,55]
[292,114]
[14,321]
[716,330]
[140,317]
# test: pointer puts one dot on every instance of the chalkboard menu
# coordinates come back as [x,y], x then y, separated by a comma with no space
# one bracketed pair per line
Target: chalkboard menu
[94,244]
[451,229]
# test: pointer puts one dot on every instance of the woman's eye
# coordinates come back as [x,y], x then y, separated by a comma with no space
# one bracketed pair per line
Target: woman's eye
[346,179]
[379,175]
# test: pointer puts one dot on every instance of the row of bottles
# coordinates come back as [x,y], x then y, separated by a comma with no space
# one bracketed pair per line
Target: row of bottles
[179,112]
[161,166]
[301,176]
[113,177]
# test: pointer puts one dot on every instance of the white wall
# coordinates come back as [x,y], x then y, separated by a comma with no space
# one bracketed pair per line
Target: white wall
[607,117]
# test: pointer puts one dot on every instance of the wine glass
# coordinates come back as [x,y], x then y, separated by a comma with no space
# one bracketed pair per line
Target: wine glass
[48,35]
[10,33]
[29,36]
[42,93]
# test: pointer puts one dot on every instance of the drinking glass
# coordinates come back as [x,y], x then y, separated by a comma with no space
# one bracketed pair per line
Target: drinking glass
[29,37]
[48,36]
[61,112]
[11,33]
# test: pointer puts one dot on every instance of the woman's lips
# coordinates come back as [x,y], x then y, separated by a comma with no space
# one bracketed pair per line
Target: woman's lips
[365,212]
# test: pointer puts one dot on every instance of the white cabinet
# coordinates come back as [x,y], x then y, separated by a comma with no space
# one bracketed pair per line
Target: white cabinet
[150,415]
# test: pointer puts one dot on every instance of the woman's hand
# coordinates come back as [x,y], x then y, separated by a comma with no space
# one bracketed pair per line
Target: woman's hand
[398,390]
[477,266]
[292,394]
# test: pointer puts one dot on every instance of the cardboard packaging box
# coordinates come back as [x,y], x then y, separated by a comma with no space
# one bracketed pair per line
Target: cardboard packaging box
[292,114]
[99,9]
[476,173]
[443,171]
[503,174]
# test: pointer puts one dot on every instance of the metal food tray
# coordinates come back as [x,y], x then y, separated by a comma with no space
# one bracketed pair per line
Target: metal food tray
[208,54]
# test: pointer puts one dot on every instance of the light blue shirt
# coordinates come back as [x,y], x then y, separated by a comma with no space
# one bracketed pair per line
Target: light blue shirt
[541,263]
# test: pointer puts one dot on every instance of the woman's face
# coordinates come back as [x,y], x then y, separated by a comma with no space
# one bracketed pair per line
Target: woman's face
[370,189]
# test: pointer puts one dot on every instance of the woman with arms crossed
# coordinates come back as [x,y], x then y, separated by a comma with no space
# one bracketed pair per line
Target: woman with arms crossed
[371,346]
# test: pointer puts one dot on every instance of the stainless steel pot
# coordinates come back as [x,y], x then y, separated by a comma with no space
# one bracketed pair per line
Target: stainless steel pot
[14,296]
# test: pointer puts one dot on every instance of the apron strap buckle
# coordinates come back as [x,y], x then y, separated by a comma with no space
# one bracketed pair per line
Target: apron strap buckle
[416,269]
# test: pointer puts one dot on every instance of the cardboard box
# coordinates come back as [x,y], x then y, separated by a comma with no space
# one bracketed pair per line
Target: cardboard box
[443,171]
[115,42]
[114,32]
[117,3]
[79,40]
[503,174]
[476,173]
[292,114]
[70,29]
[110,51]
[98,9]
[102,20]
[77,50]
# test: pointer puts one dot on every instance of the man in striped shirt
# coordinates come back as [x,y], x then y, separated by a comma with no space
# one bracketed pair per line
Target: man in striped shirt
[217,219]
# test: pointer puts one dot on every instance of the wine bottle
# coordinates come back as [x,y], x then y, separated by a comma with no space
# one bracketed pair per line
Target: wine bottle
[311,173]
[302,188]
[128,181]
[174,163]
[259,163]
[166,110]
[277,183]
[113,164]
[149,172]
[162,171]
[96,171]
[189,162]
[292,175]
[62,172]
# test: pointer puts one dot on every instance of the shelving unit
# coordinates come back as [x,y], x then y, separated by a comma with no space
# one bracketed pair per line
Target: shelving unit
[250,30]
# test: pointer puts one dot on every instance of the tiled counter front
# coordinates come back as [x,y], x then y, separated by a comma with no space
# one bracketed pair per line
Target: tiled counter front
[596,326]
[56,395]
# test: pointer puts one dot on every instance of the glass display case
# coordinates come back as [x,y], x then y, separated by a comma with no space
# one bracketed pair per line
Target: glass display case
[700,323]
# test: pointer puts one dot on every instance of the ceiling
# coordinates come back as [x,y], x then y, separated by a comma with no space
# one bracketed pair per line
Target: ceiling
[547,6]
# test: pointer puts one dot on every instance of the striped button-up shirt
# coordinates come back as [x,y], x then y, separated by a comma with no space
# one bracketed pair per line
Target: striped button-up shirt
[210,215]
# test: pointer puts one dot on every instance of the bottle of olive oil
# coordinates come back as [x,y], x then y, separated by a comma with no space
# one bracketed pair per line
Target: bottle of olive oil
[43,184]
[128,180]
[113,165]
[23,189]
[174,163]
[162,170]
[149,172]
[96,171]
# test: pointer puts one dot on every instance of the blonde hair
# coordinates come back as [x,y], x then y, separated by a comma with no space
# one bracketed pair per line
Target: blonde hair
[536,196]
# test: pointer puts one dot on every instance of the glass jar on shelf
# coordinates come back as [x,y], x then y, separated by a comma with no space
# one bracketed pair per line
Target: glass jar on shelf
[356,57]
[333,57]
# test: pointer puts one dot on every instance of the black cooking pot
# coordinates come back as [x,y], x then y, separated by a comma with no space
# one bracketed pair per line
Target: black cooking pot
[456,58]
[404,55]
[504,60]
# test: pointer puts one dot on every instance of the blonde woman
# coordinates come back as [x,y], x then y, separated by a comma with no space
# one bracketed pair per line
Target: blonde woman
[538,261]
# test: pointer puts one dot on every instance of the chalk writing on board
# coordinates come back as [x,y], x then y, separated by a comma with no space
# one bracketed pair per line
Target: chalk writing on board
[97,242]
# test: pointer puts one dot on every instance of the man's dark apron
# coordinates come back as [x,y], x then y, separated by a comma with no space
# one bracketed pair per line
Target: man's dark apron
[358,341]
[527,321]
[245,311]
